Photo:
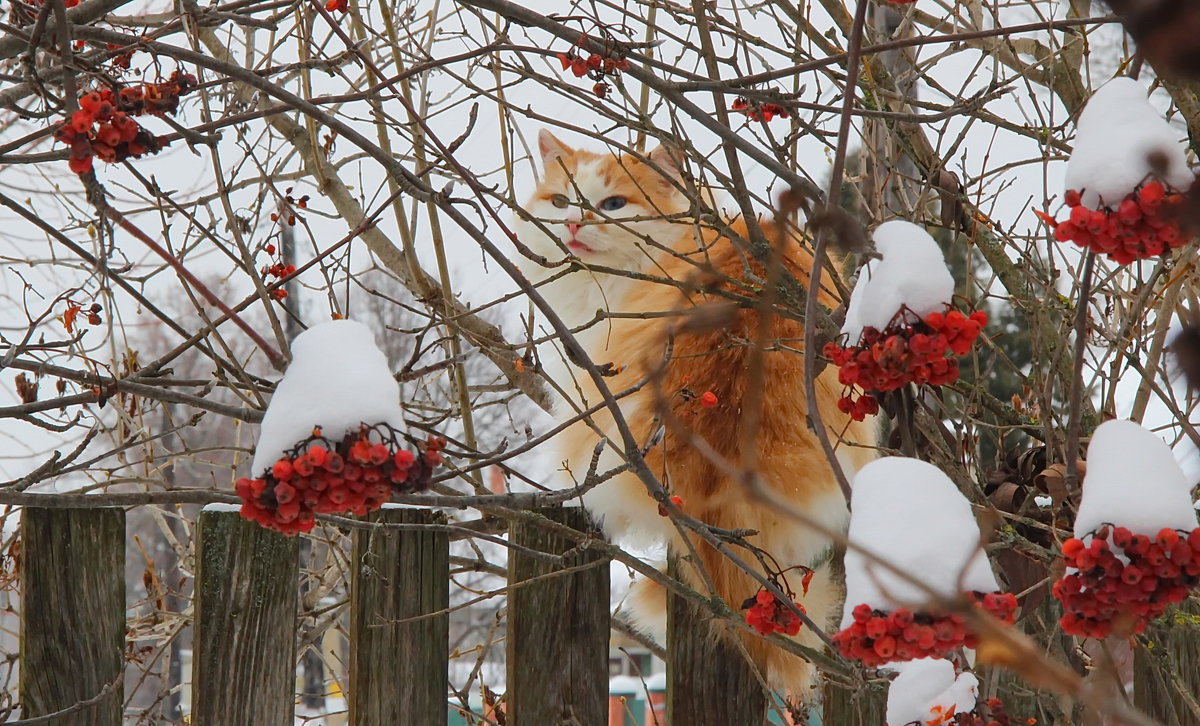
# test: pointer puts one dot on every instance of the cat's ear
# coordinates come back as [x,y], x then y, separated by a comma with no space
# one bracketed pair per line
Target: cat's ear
[664,160]
[550,147]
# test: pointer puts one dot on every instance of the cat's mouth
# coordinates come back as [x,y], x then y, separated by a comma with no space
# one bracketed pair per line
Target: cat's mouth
[577,246]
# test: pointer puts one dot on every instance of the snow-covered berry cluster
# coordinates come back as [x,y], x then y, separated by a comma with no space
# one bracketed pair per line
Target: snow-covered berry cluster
[758,111]
[906,351]
[357,474]
[992,713]
[596,66]
[1144,224]
[876,637]
[768,614]
[1127,582]
[104,127]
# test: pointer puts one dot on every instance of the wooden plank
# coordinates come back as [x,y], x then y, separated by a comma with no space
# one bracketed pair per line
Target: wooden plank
[865,706]
[709,681]
[72,614]
[398,664]
[244,644]
[862,705]
[1166,681]
[558,626]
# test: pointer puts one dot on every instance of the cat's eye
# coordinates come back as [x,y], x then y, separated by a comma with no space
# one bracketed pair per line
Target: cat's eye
[560,201]
[612,204]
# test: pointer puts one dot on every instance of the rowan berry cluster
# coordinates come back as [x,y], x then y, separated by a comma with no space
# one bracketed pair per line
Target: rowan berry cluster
[121,60]
[758,111]
[768,614]
[876,637]
[1128,582]
[357,474]
[1143,225]
[279,270]
[596,66]
[103,126]
[290,203]
[904,352]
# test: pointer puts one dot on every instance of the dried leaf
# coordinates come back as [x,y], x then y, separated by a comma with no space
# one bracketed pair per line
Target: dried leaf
[1050,222]
[1004,646]
[1008,497]
[69,316]
[1186,348]
[846,231]
[27,390]
[950,195]
[1053,481]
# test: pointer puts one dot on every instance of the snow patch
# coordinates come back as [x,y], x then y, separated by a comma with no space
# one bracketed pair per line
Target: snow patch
[221,507]
[1133,481]
[908,513]
[1117,134]
[912,273]
[657,681]
[927,690]
[625,685]
[337,380]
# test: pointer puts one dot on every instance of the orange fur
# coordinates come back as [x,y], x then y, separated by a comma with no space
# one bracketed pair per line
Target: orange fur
[788,458]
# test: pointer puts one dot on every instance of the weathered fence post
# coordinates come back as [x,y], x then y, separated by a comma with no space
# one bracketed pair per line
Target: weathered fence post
[72,615]
[244,644]
[845,707]
[558,626]
[1166,680]
[399,659]
[865,706]
[709,681]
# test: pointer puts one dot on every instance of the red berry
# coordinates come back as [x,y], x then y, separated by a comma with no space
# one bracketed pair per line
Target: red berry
[282,470]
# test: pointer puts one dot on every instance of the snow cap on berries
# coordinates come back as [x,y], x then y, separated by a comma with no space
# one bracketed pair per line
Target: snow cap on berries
[908,513]
[338,379]
[1133,481]
[1119,140]
[928,692]
[912,273]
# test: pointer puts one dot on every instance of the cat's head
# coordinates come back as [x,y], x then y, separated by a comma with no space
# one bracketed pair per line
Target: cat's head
[605,209]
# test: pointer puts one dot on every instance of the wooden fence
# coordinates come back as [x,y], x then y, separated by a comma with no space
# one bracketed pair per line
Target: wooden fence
[73,637]
[246,591]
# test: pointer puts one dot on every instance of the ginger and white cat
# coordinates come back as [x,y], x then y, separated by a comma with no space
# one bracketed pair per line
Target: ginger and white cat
[625,214]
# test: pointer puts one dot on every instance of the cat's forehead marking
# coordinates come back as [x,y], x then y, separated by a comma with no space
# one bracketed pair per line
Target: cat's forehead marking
[589,170]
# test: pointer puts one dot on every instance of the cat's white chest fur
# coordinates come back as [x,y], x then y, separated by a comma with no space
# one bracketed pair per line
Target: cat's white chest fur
[580,299]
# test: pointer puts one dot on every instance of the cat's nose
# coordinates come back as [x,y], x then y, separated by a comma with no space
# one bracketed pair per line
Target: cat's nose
[572,227]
